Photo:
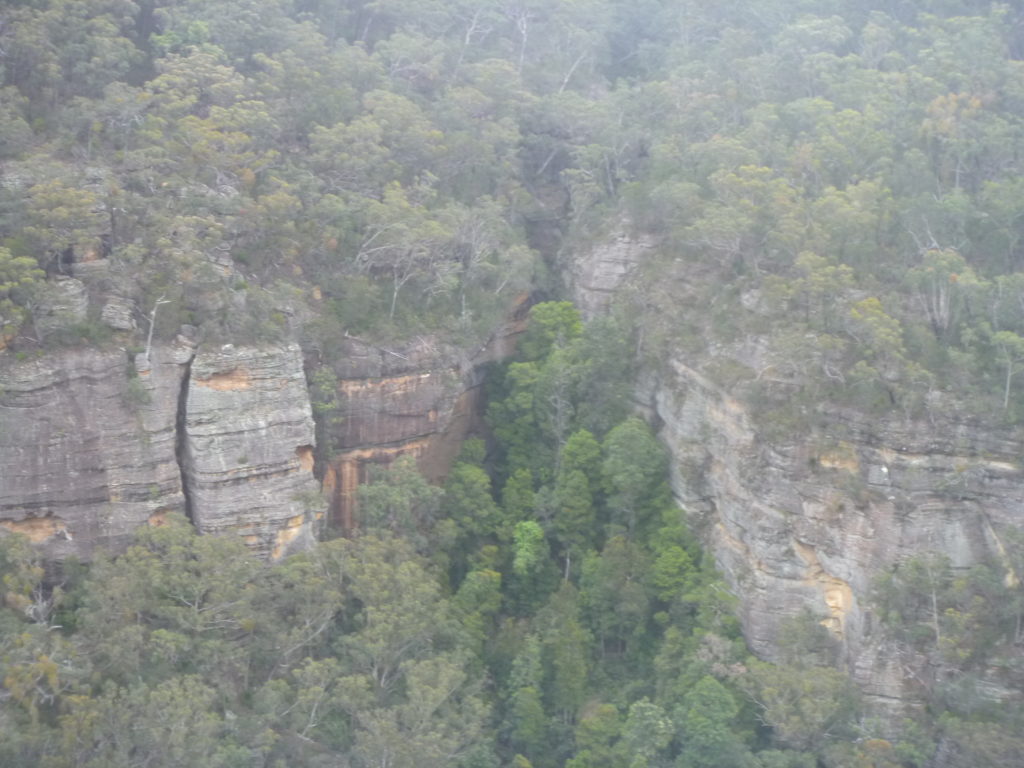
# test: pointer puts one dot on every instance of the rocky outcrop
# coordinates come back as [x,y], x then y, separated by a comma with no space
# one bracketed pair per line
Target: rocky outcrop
[422,400]
[87,446]
[64,302]
[246,447]
[118,313]
[93,446]
[595,276]
[810,524]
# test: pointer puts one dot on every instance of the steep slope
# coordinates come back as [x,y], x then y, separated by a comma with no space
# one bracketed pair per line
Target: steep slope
[247,452]
[809,520]
[421,399]
[92,447]
[812,523]
[87,445]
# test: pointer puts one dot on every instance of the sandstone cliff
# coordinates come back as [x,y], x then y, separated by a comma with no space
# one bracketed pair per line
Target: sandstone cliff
[87,445]
[94,445]
[808,523]
[422,399]
[247,447]
[597,275]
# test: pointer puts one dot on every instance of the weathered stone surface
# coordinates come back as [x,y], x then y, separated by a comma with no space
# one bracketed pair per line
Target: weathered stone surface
[88,453]
[247,447]
[118,313]
[811,524]
[93,269]
[392,402]
[86,449]
[595,275]
[422,399]
[65,302]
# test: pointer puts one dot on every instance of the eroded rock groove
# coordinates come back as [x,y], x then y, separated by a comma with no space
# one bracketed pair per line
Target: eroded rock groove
[181,440]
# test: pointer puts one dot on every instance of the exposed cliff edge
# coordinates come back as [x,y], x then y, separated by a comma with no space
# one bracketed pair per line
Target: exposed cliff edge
[809,522]
[422,400]
[95,443]
[247,457]
[87,446]
[93,446]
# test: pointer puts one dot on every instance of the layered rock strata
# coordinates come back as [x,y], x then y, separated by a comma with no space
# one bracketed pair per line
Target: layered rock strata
[246,447]
[421,400]
[87,446]
[392,404]
[93,446]
[811,524]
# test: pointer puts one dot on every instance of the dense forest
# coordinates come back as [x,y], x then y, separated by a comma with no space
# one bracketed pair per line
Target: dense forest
[548,606]
[834,190]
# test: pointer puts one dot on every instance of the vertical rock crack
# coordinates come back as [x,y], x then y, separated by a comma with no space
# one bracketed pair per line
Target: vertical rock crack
[181,440]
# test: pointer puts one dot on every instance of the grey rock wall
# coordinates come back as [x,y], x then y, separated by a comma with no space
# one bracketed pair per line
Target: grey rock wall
[87,446]
[810,524]
[93,446]
[65,301]
[247,447]
[596,275]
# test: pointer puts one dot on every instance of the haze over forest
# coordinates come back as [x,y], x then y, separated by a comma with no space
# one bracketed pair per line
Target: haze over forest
[511,383]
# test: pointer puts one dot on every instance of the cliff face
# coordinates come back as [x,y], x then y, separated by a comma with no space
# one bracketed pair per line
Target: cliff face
[391,404]
[93,445]
[596,276]
[810,524]
[421,400]
[87,446]
[246,449]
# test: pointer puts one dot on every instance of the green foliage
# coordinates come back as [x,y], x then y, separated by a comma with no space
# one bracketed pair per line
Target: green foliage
[566,648]
[552,324]
[635,467]
[705,719]
[615,594]
[575,521]
[401,501]
[804,641]
[821,187]
[479,599]
[517,498]
[326,405]
[672,573]
[626,656]
[59,216]
[18,275]
[806,707]
[598,728]
[528,538]
[981,744]
[515,423]
[963,618]
[529,722]
[468,501]
[913,598]
[646,732]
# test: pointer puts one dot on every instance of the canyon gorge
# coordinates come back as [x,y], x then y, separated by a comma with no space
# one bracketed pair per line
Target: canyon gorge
[97,442]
